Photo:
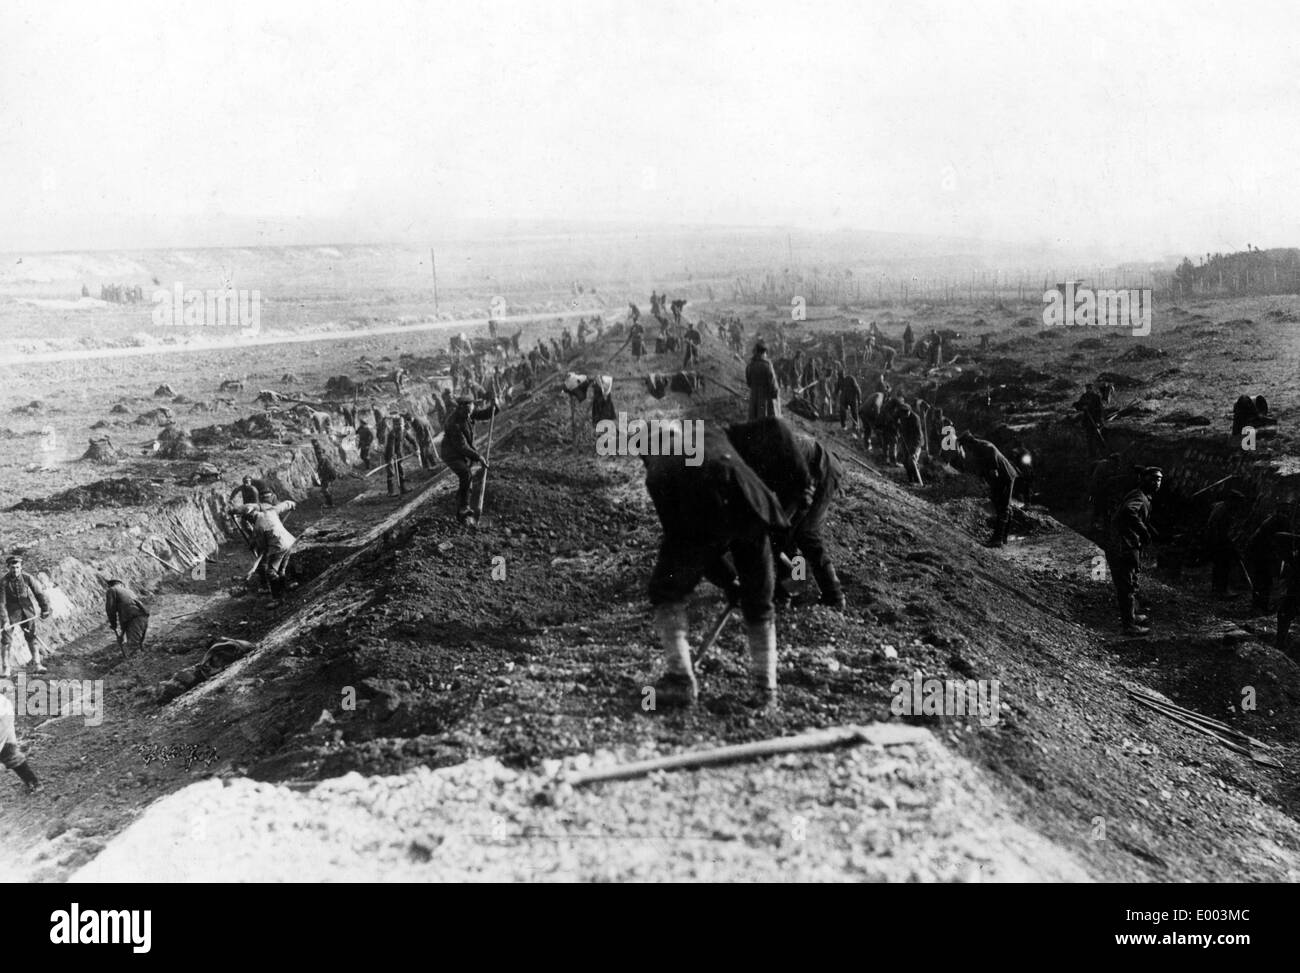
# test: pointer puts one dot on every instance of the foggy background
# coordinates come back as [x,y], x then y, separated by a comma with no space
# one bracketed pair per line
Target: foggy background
[1126,132]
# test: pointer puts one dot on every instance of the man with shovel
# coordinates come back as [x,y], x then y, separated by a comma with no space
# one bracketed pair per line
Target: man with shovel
[20,594]
[458,450]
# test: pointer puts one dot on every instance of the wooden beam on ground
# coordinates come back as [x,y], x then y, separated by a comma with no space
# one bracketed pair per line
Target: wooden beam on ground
[876,734]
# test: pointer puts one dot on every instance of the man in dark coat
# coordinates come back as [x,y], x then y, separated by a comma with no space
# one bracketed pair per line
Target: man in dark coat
[805,477]
[246,492]
[423,431]
[936,349]
[981,458]
[716,517]
[910,435]
[1261,555]
[365,442]
[1131,531]
[458,450]
[1092,416]
[848,395]
[1101,489]
[327,471]
[394,450]
[764,393]
[127,615]
[692,341]
[1217,543]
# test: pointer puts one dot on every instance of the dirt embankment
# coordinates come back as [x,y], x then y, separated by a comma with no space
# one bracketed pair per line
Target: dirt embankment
[424,653]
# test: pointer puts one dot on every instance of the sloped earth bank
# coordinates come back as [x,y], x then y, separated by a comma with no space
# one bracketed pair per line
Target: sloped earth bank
[497,680]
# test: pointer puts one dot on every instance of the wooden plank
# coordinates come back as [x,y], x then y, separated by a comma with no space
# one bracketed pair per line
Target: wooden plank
[879,734]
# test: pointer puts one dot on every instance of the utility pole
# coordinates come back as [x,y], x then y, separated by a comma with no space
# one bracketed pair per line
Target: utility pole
[433,262]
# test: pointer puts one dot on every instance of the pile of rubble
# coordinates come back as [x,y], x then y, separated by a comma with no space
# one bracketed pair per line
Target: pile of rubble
[123,492]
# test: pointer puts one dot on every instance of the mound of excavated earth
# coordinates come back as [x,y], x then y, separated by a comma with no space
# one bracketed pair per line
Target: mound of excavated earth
[912,813]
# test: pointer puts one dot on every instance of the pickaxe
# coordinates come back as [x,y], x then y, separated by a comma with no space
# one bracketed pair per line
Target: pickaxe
[386,462]
[1212,486]
[712,636]
[487,457]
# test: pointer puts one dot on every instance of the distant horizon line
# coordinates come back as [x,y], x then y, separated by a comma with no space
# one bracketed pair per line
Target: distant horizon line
[459,228]
[520,227]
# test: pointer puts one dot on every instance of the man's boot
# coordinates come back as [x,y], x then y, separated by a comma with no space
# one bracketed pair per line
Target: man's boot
[832,594]
[37,664]
[677,686]
[28,777]
[762,661]
[1130,620]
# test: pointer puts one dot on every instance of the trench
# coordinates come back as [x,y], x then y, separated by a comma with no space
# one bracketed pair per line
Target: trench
[170,539]
[1200,467]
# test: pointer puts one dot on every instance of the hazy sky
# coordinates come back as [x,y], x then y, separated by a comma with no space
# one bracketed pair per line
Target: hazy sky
[1149,128]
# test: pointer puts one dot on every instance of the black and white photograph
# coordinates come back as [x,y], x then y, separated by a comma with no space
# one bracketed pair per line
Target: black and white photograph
[651,442]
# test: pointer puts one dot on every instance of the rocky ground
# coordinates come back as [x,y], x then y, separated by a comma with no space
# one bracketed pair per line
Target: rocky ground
[416,722]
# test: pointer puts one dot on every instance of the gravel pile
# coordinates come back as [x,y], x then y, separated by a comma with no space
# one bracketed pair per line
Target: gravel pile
[906,813]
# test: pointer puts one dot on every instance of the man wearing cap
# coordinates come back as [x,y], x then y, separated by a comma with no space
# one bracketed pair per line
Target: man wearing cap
[246,492]
[1131,531]
[20,594]
[717,517]
[127,615]
[273,541]
[458,450]
[764,393]
[981,458]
